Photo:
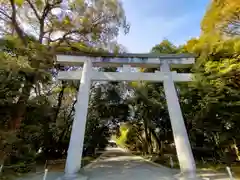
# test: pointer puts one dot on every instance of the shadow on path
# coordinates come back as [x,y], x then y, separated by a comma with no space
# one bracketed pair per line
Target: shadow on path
[116,164]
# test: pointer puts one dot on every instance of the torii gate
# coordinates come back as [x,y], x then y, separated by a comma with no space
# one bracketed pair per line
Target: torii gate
[168,77]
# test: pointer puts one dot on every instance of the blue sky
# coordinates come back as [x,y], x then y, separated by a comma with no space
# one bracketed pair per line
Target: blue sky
[154,20]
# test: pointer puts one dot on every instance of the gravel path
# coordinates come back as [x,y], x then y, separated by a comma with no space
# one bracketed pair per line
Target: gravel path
[116,164]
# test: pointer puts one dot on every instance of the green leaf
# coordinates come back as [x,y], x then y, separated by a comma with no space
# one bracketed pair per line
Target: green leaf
[67,20]
[19,2]
[39,3]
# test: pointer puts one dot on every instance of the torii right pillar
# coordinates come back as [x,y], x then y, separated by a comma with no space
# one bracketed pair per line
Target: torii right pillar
[183,147]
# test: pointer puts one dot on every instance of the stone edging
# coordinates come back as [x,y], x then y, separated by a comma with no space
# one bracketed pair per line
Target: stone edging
[94,161]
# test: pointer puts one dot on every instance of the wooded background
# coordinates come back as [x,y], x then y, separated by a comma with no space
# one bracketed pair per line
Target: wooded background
[36,111]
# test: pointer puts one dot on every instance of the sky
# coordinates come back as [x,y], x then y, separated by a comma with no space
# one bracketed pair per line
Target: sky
[154,20]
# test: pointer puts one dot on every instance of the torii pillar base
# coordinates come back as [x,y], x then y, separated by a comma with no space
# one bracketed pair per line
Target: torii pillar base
[188,176]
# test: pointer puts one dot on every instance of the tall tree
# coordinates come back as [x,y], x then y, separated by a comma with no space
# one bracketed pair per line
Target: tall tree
[34,107]
[165,47]
[222,16]
[45,25]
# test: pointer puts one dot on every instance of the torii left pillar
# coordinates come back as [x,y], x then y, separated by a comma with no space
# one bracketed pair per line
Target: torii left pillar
[75,149]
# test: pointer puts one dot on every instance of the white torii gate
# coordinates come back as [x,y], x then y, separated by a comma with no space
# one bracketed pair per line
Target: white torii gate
[165,75]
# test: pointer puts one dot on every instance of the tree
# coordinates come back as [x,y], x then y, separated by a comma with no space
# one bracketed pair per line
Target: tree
[33,105]
[49,24]
[165,47]
[207,100]
[75,21]
[222,16]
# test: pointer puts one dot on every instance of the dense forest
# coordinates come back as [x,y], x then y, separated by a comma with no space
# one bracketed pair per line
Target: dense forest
[36,110]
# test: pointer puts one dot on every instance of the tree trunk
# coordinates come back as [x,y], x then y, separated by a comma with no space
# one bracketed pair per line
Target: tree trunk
[20,108]
[148,139]
[60,98]
[157,139]
[2,159]
[236,149]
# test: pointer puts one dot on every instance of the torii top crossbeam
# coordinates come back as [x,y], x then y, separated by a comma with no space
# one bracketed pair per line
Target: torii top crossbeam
[149,60]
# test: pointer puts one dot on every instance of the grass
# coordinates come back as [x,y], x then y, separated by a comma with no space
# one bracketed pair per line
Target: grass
[87,160]
[235,168]
[56,167]
[165,161]
[60,166]
[10,176]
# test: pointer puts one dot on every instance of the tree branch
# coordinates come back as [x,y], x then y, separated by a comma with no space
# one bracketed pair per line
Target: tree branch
[34,9]
[15,24]
[6,15]
[48,7]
